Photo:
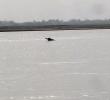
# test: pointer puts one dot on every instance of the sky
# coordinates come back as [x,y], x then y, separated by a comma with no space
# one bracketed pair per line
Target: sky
[29,10]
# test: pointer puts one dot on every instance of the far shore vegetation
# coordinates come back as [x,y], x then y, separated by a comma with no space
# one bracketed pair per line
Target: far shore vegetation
[54,24]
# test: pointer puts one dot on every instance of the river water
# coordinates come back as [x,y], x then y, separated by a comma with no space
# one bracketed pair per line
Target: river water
[76,66]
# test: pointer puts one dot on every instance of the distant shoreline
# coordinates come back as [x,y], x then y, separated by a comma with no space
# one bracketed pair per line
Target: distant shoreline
[52,27]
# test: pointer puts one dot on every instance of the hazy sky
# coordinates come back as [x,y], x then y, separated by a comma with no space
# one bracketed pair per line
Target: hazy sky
[27,10]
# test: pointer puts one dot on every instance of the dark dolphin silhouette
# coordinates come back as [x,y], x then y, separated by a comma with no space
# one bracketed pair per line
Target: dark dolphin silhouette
[49,39]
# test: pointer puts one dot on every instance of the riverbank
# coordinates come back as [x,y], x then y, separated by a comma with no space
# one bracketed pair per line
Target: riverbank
[52,27]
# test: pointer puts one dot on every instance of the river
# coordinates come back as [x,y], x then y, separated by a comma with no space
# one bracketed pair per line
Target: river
[76,66]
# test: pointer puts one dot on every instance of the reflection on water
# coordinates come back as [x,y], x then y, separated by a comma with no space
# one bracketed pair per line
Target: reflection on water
[74,67]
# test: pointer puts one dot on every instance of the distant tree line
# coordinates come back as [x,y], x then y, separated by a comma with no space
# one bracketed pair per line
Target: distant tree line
[56,22]
[6,26]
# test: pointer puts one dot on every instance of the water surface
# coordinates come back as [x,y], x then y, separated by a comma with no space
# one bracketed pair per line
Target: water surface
[74,67]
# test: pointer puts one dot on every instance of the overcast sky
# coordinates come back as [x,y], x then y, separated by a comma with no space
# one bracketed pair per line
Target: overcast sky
[28,10]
